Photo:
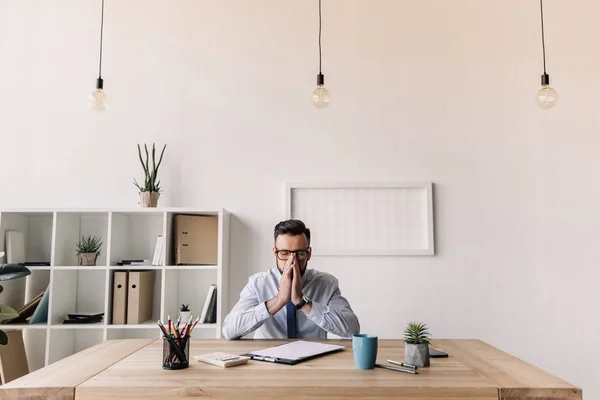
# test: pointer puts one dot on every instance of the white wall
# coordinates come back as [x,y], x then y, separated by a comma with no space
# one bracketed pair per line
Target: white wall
[433,90]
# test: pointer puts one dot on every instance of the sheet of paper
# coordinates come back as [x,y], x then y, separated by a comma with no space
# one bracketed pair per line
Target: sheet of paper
[296,350]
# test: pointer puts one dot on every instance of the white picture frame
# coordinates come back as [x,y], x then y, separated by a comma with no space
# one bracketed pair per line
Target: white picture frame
[365,218]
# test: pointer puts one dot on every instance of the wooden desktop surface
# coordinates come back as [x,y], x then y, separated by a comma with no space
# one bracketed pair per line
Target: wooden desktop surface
[131,369]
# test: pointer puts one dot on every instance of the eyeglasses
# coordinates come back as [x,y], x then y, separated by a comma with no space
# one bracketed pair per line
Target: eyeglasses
[301,255]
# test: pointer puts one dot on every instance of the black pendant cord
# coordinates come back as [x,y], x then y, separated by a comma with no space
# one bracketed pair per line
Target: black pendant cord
[320,77]
[320,60]
[543,40]
[101,37]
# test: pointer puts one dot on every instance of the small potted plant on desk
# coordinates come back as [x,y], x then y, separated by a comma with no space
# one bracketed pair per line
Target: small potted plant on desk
[184,313]
[88,250]
[416,347]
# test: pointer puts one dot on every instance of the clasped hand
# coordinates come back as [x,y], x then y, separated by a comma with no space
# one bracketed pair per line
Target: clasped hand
[290,284]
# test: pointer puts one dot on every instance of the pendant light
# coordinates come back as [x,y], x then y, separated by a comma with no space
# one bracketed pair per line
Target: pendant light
[97,100]
[546,97]
[320,96]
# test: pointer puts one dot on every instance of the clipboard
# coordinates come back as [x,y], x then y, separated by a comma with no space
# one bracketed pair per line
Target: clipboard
[293,353]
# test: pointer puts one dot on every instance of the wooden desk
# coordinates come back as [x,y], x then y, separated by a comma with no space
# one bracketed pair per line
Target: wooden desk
[131,369]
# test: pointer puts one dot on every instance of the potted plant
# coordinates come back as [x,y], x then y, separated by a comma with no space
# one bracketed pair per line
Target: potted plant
[8,272]
[184,313]
[88,250]
[150,191]
[416,347]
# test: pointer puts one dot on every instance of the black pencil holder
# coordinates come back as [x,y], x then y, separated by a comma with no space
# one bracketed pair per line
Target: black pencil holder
[176,353]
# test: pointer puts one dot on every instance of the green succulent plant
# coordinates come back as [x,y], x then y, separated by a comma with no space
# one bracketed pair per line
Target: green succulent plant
[89,244]
[151,183]
[185,307]
[416,333]
[8,272]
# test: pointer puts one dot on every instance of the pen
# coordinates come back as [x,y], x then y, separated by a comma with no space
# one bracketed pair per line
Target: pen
[265,358]
[402,364]
[408,371]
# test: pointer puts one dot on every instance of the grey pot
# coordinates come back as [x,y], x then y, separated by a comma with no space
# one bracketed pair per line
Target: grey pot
[87,259]
[416,354]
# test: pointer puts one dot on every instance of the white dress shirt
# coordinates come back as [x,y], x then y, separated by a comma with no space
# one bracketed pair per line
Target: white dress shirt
[330,310]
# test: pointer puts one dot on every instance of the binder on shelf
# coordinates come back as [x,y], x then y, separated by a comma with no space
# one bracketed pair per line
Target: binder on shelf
[205,309]
[139,296]
[120,291]
[196,239]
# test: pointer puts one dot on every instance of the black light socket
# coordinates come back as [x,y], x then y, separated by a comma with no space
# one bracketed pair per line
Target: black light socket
[545,79]
[320,79]
[99,83]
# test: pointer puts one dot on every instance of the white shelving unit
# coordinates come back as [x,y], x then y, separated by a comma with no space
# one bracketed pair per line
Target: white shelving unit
[51,235]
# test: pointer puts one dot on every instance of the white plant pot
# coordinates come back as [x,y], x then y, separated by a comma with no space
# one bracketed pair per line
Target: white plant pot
[185,316]
[416,354]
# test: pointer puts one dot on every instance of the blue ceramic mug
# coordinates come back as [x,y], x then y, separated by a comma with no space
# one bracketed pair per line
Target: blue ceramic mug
[364,347]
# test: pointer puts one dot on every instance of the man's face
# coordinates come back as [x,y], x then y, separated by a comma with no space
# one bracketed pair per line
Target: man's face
[285,245]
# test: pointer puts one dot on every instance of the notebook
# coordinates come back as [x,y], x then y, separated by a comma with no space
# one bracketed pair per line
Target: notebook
[293,352]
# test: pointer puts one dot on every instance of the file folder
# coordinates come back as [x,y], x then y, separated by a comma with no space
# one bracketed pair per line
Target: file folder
[119,306]
[139,296]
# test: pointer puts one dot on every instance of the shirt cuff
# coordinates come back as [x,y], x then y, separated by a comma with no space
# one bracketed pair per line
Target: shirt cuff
[261,312]
[317,312]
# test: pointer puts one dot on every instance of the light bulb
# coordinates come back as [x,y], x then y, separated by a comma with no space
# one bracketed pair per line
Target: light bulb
[321,96]
[546,97]
[97,99]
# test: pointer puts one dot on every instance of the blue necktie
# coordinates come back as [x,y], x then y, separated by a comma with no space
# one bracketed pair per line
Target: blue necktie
[291,320]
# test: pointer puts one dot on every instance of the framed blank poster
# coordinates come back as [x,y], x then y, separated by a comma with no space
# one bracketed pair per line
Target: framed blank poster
[366,219]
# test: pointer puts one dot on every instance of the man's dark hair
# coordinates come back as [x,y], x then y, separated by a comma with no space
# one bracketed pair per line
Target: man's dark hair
[292,227]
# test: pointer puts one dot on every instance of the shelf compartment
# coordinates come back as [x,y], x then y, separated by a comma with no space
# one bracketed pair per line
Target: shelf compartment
[188,286]
[18,292]
[134,235]
[66,342]
[77,291]
[36,228]
[156,297]
[207,236]
[70,227]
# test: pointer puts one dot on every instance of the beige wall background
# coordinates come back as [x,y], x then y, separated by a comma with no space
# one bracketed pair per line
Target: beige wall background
[428,90]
